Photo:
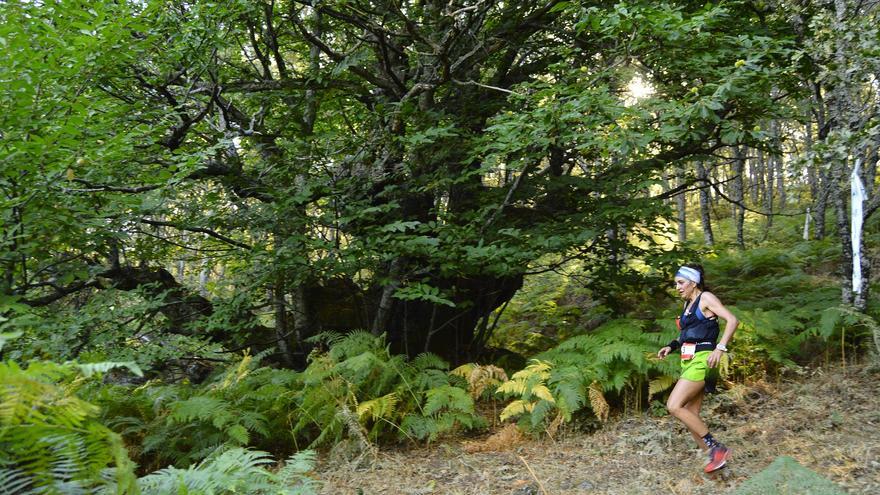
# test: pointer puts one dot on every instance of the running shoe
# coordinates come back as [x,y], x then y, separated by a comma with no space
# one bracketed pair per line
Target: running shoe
[717,458]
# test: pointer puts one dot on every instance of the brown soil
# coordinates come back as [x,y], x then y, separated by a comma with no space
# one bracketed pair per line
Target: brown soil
[829,420]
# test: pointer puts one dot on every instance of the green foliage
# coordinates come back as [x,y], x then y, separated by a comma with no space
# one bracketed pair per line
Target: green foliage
[50,440]
[551,307]
[578,373]
[417,399]
[395,173]
[786,312]
[243,405]
[785,476]
[234,470]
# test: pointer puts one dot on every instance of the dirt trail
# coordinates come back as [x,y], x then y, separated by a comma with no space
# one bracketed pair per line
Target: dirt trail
[828,420]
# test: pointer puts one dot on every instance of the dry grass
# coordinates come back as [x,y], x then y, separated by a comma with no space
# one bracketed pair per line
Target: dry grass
[505,438]
[829,421]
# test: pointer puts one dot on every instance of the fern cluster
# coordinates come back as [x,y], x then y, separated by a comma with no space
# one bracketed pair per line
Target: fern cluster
[579,372]
[243,405]
[235,470]
[50,440]
[355,387]
[392,396]
[787,306]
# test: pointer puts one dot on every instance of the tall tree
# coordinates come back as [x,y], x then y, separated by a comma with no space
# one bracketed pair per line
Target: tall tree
[392,166]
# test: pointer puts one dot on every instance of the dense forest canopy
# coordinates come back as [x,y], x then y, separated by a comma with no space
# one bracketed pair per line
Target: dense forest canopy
[260,172]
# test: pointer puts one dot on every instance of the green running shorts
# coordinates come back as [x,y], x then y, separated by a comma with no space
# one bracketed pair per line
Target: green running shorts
[697,369]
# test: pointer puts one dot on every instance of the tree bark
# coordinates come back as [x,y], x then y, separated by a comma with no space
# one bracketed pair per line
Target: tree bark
[681,208]
[739,211]
[276,293]
[840,194]
[705,206]
[777,165]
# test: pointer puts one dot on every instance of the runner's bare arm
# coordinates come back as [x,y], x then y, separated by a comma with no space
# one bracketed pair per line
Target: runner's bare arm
[710,302]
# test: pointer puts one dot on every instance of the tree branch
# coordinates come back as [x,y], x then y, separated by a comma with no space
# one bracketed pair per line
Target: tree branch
[202,230]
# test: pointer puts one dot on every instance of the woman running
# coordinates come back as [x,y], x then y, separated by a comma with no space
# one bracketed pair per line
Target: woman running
[700,354]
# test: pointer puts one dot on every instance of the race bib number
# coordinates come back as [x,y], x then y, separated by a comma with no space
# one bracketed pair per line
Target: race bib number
[688,350]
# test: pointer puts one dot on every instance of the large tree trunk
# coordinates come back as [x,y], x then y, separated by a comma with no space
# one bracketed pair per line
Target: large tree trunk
[841,107]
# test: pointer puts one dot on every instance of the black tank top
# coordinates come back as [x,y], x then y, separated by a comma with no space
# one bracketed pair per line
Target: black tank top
[697,329]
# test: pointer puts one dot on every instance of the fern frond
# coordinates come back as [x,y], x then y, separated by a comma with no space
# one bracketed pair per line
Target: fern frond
[51,440]
[660,384]
[427,360]
[597,401]
[538,368]
[430,378]
[328,338]
[232,471]
[380,407]
[542,392]
[481,377]
[539,411]
[514,409]
[235,375]
[447,397]
[356,343]
[203,408]
[293,473]
[512,387]
[464,370]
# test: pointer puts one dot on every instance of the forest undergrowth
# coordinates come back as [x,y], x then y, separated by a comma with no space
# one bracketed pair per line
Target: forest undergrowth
[583,414]
[827,418]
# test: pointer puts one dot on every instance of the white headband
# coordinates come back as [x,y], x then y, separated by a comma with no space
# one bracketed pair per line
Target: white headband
[688,273]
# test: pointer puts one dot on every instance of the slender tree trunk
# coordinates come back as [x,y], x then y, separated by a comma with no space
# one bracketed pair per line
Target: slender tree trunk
[765,175]
[780,182]
[871,168]
[664,184]
[777,165]
[860,300]
[681,208]
[276,294]
[840,193]
[739,211]
[299,313]
[821,205]
[816,191]
[841,108]
[812,172]
[755,175]
[204,277]
[705,206]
